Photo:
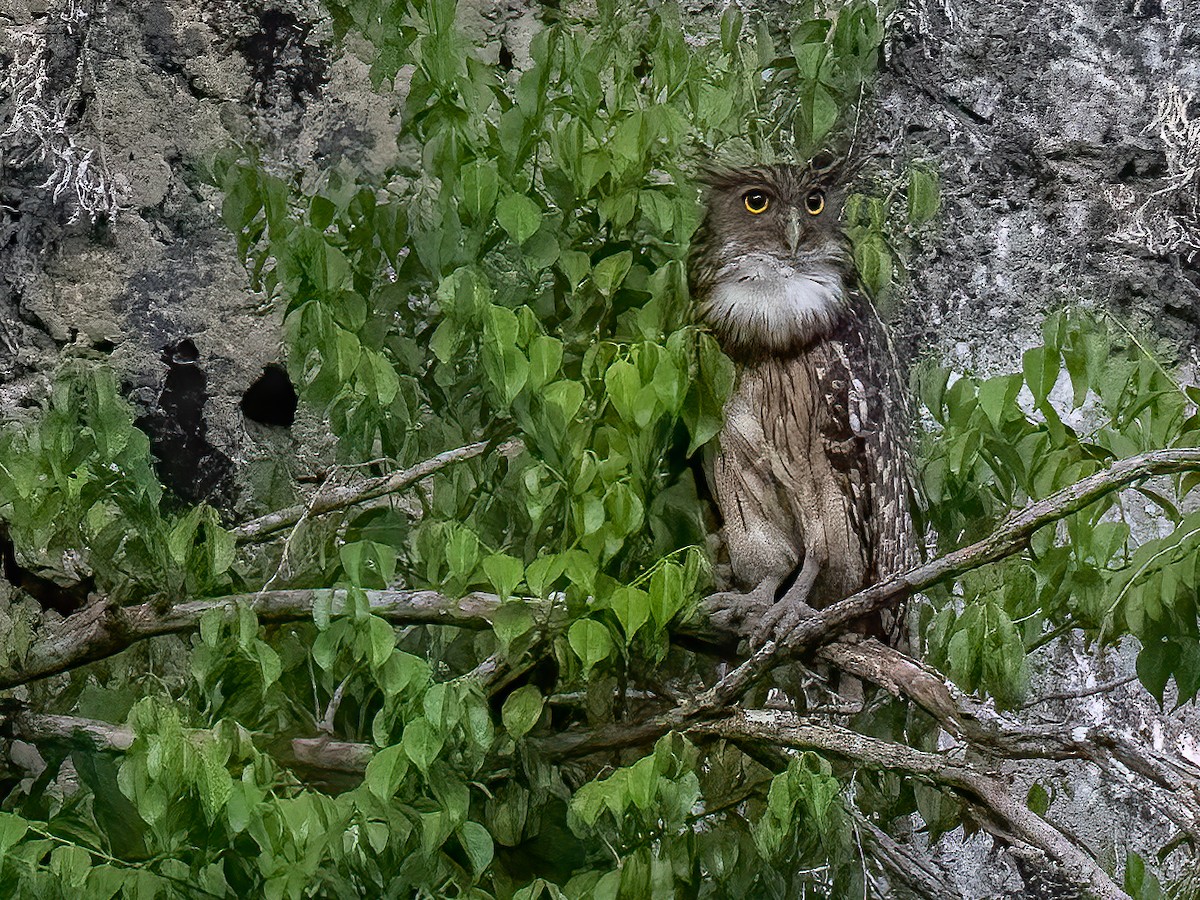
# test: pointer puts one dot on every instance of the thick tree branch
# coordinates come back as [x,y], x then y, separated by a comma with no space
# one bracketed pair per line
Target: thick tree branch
[1008,539]
[104,629]
[320,753]
[328,755]
[985,791]
[331,499]
[990,731]
[88,734]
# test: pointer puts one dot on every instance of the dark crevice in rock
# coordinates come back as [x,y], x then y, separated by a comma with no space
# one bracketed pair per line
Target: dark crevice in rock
[271,400]
[193,469]
[48,592]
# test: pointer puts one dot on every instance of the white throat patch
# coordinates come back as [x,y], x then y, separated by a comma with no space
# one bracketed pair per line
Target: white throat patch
[760,303]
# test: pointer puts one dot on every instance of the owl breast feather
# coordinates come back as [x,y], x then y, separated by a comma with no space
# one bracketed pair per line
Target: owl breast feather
[760,305]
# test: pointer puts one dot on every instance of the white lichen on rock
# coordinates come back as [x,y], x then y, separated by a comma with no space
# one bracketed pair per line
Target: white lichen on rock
[1167,220]
[44,126]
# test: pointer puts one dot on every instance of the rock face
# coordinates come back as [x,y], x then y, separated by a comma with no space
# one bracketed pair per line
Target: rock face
[110,241]
[1065,135]
[1067,140]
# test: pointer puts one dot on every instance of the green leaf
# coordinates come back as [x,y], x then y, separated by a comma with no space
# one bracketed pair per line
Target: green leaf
[506,366]
[385,772]
[824,113]
[923,197]
[521,711]
[998,395]
[632,607]
[545,359]
[519,216]
[731,28]
[422,743]
[1155,664]
[874,262]
[563,400]
[1040,367]
[504,572]
[1037,799]
[478,845]
[462,552]
[382,640]
[511,621]
[611,271]
[12,829]
[543,572]
[623,384]
[667,594]
[591,642]
[480,185]
[321,212]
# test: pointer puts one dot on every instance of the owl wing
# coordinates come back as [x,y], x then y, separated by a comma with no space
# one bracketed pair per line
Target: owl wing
[874,406]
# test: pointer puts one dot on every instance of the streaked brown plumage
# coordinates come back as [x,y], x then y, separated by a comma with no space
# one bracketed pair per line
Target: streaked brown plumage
[809,470]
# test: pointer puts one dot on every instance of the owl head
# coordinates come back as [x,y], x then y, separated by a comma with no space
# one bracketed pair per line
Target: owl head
[769,261]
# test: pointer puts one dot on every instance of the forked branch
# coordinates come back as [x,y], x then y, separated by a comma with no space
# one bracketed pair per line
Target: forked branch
[985,791]
[329,500]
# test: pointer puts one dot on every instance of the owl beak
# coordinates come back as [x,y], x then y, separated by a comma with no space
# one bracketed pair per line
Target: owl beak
[793,230]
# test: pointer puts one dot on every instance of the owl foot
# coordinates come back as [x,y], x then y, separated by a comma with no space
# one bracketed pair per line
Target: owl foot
[735,611]
[780,620]
[792,608]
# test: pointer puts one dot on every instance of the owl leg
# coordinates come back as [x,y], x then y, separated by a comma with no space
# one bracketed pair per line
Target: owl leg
[792,608]
[733,609]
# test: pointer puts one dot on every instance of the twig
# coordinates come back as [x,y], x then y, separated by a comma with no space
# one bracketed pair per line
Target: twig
[1084,692]
[331,499]
[919,873]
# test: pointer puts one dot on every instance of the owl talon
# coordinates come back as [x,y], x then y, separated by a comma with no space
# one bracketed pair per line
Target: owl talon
[735,611]
[780,621]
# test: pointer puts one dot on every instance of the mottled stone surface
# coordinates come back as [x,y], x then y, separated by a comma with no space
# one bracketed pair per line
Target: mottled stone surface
[155,91]
[1035,115]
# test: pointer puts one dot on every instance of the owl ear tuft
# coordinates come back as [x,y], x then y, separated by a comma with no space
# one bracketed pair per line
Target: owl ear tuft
[718,176]
[835,168]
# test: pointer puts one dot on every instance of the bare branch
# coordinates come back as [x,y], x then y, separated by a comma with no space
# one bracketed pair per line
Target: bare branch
[91,734]
[919,873]
[104,629]
[1008,539]
[331,499]
[985,791]
[320,753]
[1080,693]
[329,755]
[988,730]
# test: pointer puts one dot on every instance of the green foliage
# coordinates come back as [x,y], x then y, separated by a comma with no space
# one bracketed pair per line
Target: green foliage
[79,497]
[1000,442]
[882,222]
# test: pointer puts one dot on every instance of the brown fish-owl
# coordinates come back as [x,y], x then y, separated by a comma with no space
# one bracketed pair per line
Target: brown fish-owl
[809,470]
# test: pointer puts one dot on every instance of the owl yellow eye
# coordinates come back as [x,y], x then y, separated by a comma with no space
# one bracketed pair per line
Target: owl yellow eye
[756,202]
[815,203]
